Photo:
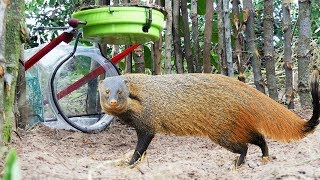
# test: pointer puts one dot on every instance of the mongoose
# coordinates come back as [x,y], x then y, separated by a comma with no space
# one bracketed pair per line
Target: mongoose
[229,112]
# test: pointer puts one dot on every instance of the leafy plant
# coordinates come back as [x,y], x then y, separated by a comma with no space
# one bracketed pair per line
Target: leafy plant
[47,13]
[83,64]
[147,57]
[11,168]
[215,61]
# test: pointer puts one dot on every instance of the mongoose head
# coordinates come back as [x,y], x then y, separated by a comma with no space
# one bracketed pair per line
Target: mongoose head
[114,95]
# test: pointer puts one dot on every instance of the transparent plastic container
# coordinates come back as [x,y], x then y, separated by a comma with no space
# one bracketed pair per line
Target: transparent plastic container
[73,104]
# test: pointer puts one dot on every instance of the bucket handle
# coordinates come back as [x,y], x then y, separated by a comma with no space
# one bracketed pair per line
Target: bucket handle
[147,26]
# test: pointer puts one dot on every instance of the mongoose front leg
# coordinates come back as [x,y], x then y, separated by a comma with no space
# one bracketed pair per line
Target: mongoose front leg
[144,139]
[241,149]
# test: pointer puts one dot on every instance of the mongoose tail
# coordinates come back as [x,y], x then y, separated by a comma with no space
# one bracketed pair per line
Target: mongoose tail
[314,121]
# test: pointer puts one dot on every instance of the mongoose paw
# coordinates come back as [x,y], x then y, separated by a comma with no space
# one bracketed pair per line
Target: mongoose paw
[265,159]
[135,163]
[238,162]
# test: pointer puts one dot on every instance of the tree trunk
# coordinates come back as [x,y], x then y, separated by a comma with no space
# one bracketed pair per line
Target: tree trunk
[176,37]
[15,36]
[207,37]
[21,105]
[304,52]
[3,15]
[104,49]
[269,49]
[244,45]
[221,47]
[195,35]
[138,58]
[128,59]
[115,50]
[253,52]
[92,96]
[227,35]
[237,37]
[168,37]
[187,42]
[92,103]
[104,2]
[128,62]
[288,63]
[157,49]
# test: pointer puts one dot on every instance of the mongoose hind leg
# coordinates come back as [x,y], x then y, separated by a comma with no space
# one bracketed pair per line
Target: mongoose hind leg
[241,149]
[144,139]
[260,141]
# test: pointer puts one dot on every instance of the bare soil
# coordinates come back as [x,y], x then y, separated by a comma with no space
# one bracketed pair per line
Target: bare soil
[58,154]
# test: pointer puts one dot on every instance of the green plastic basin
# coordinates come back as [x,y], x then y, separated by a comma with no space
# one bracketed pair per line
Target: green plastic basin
[120,25]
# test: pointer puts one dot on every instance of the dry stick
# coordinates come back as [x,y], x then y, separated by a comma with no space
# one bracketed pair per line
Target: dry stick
[75,98]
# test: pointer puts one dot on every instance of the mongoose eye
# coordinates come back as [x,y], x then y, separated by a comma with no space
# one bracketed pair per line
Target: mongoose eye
[119,93]
[107,92]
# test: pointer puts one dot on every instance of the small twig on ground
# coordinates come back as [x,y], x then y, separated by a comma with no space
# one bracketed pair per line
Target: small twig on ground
[305,162]
[33,126]
[56,155]
[139,169]
[18,135]
[39,175]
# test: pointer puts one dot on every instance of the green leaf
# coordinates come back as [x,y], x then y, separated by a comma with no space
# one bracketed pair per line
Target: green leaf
[51,2]
[181,27]
[11,169]
[215,60]
[122,65]
[54,24]
[163,2]
[83,64]
[147,57]
[201,7]
[215,34]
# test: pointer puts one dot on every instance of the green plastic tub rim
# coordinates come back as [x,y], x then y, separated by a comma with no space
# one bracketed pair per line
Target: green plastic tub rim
[120,25]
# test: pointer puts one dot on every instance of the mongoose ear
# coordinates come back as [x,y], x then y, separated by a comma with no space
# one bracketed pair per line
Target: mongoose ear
[132,88]
[126,82]
[100,84]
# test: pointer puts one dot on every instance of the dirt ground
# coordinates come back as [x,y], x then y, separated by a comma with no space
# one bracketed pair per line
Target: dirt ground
[58,154]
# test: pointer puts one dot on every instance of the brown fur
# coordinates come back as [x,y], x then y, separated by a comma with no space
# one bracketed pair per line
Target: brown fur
[215,106]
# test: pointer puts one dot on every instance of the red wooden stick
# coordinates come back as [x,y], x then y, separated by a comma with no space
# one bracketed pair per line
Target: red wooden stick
[65,36]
